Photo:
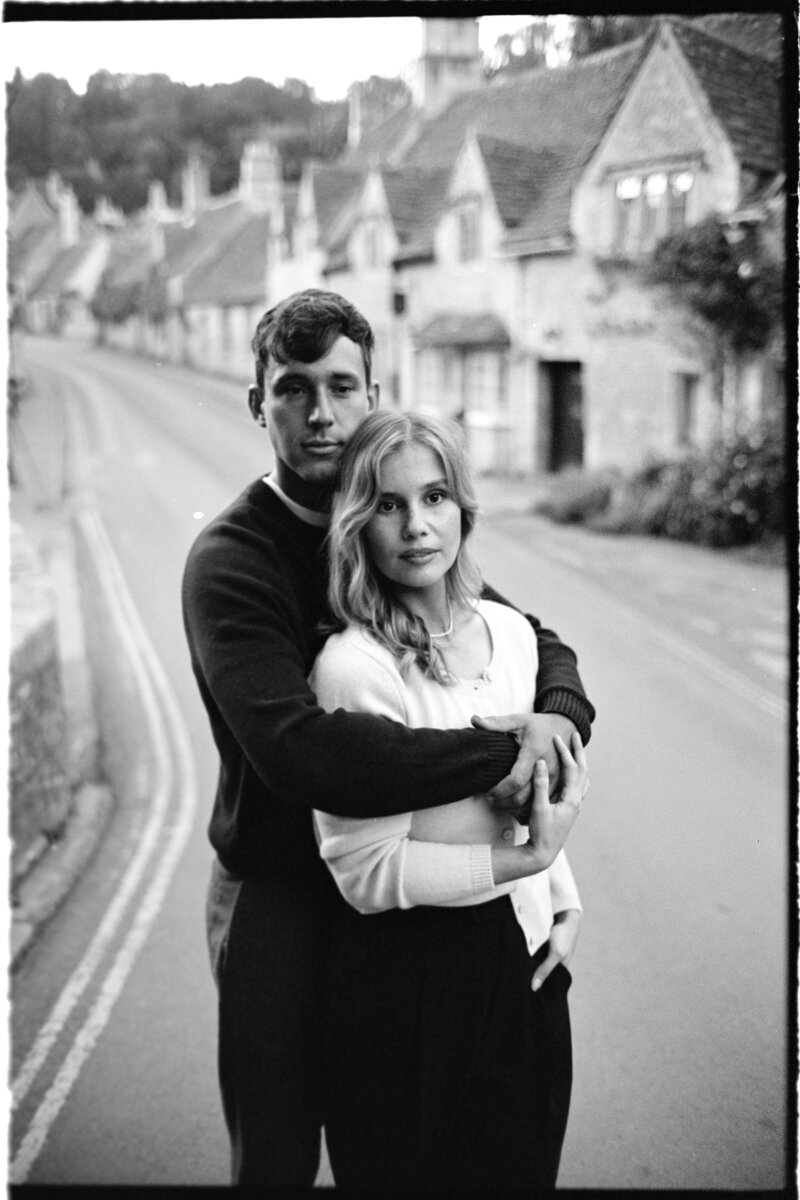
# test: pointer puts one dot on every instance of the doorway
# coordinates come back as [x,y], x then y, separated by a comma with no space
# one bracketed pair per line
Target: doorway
[563,387]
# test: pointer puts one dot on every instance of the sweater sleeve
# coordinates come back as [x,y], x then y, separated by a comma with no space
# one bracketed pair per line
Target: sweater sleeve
[563,889]
[375,863]
[243,620]
[558,684]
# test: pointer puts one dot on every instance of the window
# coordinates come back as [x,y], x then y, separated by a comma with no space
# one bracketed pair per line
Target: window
[686,409]
[648,207]
[469,233]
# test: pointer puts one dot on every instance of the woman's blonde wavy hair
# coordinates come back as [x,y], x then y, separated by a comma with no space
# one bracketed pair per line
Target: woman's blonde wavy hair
[358,593]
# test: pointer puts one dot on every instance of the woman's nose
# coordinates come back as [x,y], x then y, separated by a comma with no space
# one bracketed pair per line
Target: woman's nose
[415,522]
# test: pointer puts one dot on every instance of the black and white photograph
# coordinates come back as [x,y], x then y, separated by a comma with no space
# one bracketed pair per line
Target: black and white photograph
[401,519]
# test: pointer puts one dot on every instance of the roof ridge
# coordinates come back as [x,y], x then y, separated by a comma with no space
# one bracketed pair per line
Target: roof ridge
[573,66]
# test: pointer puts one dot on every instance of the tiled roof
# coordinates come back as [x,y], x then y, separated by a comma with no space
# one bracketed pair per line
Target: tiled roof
[55,279]
[743,93]
[518,176]
[187,245]
[334,188]
[758,33]
[414,197]
[385,141]
[37,242]
[539,129]
[237,271]
[564,109]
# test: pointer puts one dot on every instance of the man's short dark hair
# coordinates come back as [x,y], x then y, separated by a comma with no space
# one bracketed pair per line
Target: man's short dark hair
[305,326]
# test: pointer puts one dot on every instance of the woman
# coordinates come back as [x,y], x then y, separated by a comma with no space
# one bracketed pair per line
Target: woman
[447,1068]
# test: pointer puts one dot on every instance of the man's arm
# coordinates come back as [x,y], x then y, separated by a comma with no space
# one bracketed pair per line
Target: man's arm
[559,689]
[248,651]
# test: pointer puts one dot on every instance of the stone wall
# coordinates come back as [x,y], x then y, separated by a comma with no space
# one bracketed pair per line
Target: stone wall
[40,794]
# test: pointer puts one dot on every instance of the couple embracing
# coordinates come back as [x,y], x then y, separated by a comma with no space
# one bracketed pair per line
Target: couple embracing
[391,912]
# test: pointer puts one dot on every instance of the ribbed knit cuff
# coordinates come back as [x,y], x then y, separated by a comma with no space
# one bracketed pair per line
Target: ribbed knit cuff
[502,751]
[568,704]
[480,866]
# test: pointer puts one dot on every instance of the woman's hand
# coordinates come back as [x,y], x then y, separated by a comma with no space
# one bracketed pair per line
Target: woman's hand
[551,821]
[561,946]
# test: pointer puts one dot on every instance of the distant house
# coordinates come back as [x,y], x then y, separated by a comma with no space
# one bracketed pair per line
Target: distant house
[55,258]
[493,237]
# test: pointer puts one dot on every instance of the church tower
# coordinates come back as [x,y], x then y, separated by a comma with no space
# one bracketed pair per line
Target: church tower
[450,62]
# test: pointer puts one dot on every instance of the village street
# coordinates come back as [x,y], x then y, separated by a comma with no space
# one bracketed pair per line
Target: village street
[681,852]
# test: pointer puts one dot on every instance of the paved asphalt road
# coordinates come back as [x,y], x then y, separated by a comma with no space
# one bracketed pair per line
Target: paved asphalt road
[681,851]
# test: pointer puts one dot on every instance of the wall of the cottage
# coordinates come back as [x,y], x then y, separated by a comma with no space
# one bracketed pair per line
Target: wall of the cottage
[631,358]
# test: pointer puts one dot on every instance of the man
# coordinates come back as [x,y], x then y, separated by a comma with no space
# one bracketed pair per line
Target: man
[254,595]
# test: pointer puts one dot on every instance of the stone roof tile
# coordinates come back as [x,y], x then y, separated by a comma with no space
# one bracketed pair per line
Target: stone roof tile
[237,271]
[744,94]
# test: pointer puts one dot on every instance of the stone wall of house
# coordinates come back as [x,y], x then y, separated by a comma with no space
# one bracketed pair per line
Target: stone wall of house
[40,795]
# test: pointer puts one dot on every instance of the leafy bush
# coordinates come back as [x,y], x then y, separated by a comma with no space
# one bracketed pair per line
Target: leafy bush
[732,495]
[575,495]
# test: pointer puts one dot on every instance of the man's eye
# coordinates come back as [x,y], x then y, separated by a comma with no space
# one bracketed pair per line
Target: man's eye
[344,389]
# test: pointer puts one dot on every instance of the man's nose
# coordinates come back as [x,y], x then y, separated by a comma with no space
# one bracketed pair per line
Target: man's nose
[321,411]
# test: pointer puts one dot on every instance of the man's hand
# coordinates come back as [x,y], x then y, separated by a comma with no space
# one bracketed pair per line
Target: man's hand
[535,733]
[561,946]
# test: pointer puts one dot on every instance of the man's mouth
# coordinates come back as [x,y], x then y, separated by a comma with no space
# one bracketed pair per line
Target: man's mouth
[322,448]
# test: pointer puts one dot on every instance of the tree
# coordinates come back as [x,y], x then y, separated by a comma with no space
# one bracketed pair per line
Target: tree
[592,34]
[530,46]
[729,292]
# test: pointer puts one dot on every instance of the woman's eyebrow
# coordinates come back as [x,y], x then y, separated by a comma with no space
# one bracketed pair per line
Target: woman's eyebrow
[426,487]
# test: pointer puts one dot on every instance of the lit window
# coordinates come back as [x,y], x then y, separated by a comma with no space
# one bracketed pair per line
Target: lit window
[647,207]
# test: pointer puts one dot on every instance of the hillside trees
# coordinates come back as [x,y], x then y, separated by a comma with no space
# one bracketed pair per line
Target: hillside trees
[128,130]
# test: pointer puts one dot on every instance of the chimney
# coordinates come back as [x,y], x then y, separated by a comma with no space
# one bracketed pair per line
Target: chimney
[450,62]
[261,176]
[68,218]
[194,186]
[157,200]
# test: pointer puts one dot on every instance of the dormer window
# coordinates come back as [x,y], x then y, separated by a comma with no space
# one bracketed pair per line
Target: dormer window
[649,206]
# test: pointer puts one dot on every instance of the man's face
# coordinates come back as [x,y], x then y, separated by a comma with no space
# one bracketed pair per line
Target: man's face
[311,410]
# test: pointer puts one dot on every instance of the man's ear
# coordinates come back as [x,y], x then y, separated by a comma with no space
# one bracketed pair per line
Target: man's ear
[255,402]
[373,396]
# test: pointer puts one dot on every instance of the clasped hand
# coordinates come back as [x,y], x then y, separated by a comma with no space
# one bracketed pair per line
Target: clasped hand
[534,733]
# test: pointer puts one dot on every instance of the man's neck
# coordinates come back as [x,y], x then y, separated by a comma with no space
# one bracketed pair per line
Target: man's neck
[316,496]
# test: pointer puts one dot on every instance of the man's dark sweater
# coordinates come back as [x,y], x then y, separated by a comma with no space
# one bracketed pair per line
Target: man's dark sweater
[253,596]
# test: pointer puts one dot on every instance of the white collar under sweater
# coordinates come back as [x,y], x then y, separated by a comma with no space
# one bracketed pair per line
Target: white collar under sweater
[305,514]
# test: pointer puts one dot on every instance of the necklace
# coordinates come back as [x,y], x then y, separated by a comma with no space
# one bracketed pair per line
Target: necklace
[449,629]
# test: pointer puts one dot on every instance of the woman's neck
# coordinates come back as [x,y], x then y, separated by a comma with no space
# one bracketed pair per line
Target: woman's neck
[432,606]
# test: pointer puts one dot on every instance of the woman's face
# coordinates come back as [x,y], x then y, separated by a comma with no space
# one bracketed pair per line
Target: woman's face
[415,534]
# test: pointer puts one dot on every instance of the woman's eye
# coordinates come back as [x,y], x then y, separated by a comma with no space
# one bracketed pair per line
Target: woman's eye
[436,497]
[387,506]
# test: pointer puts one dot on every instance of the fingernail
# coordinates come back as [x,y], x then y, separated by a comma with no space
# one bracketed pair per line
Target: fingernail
[537,983]
[540,767]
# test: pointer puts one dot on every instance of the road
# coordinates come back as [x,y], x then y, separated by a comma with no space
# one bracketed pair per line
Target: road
[679,1000]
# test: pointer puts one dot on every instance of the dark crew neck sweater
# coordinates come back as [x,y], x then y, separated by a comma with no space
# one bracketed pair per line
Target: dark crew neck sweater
[254,592]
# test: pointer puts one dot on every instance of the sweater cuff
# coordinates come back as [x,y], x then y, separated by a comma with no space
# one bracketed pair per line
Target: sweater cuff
[480,865]
[501,754]
[568,704]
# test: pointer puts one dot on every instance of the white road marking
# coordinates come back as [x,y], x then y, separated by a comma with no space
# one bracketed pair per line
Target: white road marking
[161,712]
